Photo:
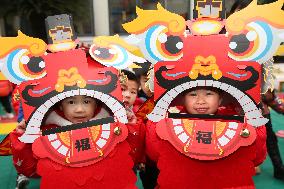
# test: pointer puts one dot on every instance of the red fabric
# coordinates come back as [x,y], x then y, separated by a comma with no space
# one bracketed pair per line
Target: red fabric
[227,110]
[260,143]
[6,147]
[136,140]
[152,142]
[5,87]
[16,100]
[23,159]
[137,104]
[233,171]
[115,171]
[136,136]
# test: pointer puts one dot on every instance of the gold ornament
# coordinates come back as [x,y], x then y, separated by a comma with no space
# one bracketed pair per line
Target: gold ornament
[245,133]
[67,160]
[117,131]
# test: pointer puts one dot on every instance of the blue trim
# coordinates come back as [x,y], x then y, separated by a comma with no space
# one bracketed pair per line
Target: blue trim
[98,80]
[175,74]
[269,40]
[148,41]
[20,113]
[237,75]
[10,67]
[40,91]
[125,55]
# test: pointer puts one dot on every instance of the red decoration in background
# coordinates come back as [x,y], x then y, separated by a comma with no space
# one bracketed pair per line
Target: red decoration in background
[5,147]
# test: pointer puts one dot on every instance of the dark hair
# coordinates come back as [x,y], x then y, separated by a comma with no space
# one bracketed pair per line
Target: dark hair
[143,70]
[130,76]
[239,4]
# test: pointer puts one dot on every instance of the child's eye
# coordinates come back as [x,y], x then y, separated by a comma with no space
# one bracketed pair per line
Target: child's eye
[209,93]
[133,92]
[123,87]
[192,94]
[87,101]
[71,102]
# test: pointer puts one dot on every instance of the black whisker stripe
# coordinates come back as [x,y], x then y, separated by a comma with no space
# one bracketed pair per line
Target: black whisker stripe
[78,126]
[206,116]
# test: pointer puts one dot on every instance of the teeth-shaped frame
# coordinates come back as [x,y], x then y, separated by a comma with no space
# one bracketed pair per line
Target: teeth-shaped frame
[33,126]
[252,113]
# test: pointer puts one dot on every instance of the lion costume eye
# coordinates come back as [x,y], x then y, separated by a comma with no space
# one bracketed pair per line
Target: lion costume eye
[253,44]
[19,66]
[161,46]
[114,55]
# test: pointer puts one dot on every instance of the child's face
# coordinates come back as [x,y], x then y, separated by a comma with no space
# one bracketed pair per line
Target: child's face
[146,90]
[78,109]
[129,92]
[202,101]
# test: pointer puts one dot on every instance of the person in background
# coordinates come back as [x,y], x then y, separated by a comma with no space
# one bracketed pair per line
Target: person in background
[142,75]
[5,94]
[150,174]
[269,99]
[277,105]
[136,126]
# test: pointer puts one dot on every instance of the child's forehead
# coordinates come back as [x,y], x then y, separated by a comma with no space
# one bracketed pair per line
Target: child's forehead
[212,89]
[78,97]
[130,84]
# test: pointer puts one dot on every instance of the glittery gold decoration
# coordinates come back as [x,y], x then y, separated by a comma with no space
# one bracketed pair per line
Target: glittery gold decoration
[95,131]
[245,133]
[65,137]
[122,78]
[188,125]
[205,66]
[117,131]
[69,77]
[219,127]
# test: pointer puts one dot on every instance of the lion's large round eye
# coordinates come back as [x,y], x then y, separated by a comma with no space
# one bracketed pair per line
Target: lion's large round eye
[239,43]
[173,45]
[253,44]
[103,53]
[162,46]
[21,66]
[36,64]
[113,55]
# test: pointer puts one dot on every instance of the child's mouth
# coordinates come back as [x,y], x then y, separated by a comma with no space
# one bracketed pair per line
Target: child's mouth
[80,119]
[126,103]
[201,110]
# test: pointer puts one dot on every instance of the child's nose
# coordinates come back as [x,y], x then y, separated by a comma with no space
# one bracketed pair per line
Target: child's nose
[200,100]
[79,108]
[126,93]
